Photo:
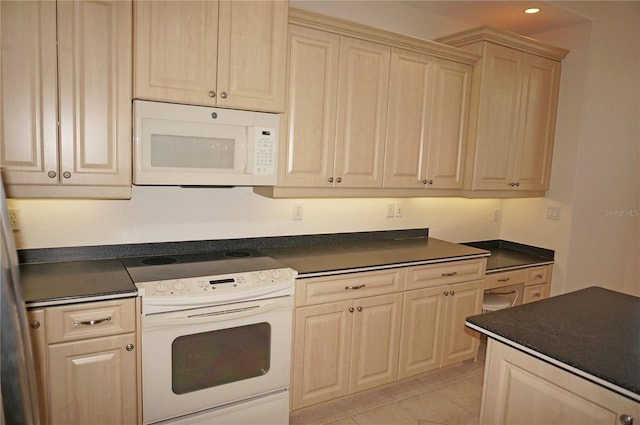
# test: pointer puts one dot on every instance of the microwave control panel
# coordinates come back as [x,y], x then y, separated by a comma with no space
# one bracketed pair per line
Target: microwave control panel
[266,151]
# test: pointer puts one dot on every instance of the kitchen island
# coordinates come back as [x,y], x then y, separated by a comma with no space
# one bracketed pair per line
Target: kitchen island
[570,359]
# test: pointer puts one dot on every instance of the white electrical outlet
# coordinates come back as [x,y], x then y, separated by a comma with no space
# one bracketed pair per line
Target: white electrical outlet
[13,219]
[298,212]
[553,213]
[391,209]
[398,210]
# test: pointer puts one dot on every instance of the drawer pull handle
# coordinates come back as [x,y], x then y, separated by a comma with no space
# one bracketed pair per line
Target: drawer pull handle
[536,294]
[355,287]
[449,274]
[91,322]
[506,279]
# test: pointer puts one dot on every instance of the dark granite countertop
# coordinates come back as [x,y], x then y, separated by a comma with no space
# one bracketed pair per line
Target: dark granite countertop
[62,275]
[75,281]
[507,255]
[594,332]
[315,260]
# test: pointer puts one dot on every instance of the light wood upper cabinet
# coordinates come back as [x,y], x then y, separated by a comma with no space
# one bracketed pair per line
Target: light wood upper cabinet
[89,43]
[309,125]
[516,95]
[427,121]
[336,113]
[229,53]
[362,105]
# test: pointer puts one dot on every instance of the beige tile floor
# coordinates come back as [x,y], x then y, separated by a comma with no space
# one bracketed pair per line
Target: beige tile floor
[446,396]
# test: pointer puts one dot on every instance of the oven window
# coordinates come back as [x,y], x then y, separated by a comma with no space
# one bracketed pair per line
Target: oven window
[220,357]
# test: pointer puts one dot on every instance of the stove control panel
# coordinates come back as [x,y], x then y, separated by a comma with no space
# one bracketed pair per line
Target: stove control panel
[218,285]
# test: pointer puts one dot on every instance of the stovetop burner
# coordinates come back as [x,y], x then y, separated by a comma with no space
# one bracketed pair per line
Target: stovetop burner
[165,267]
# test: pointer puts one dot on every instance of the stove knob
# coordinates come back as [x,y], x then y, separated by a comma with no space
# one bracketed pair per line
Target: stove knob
[178,285]
[262,275]
[161,286]
[275,273]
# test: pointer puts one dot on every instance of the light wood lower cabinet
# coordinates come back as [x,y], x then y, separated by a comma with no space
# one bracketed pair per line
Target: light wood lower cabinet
[433,330]
[347,346]
[521,389]
[360,330]
[87,373]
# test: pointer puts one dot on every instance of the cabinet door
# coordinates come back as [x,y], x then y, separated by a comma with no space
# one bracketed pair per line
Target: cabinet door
[94,50]
[521,389]
[28,125]
[176,45]
[38,339]
[448,125]
[541,80]
[309,124]
[375,341]
[497,126]
[362,110]
[322,338]
[459,342]
[408,118]
[94,381]
[420,346]
[252,43]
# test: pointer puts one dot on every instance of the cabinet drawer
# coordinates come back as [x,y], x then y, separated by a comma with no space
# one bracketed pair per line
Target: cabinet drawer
[348,286]
[445,273]
[539,275]
[88,320]
[505,279]
[535,293]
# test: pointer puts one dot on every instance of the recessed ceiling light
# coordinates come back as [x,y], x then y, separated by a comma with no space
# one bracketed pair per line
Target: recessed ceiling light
[532,10]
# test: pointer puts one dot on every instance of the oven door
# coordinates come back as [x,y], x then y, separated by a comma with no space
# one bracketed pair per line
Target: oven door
[197,359]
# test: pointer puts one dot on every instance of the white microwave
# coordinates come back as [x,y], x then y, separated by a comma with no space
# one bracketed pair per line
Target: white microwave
[186,145]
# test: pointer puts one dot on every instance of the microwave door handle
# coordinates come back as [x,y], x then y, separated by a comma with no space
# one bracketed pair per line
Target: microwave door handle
[250,141]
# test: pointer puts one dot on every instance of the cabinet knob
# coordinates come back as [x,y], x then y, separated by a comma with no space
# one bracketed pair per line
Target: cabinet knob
[539,276]
[359,308]
[453,293]
[212,93]
[536,295]
[129,347]
[351,309]
[35,324]
[330,179]
[339,180]
[52,174]
[446,293]
[626,419]
[66,175]
[223,94]
[425,181]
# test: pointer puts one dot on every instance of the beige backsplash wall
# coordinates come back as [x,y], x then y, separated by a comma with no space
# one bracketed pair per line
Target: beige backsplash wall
[160,214]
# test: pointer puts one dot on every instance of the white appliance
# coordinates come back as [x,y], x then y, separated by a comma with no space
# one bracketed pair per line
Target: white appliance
[216,338]
[184,145]
[18,393]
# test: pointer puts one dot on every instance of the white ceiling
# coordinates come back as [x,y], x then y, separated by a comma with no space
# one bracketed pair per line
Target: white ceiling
[505,15]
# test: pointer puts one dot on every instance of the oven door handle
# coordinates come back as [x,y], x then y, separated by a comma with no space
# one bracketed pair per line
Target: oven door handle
[216,314]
